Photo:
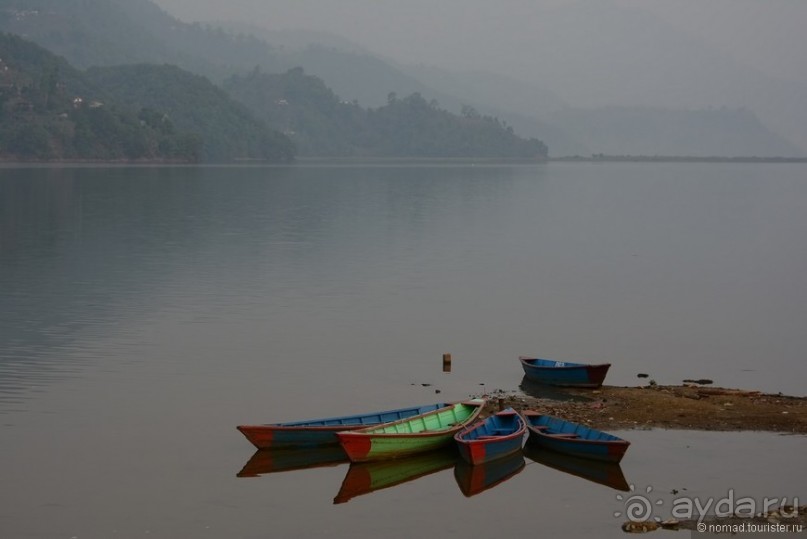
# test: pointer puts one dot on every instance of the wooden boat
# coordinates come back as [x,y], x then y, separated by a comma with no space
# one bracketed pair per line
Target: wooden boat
[268,461]
[474,480]
[561,373]
[366,477]
[492,438]
[315,432]
[573,439]
[603,473]
[418,434]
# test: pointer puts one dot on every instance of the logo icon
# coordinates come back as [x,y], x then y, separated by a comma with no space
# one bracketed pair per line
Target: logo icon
[638,507]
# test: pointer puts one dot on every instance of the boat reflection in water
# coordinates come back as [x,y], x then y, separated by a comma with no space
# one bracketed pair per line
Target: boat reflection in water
[537,390]
[366,477]
[267,461]
[604,473]
[473,480]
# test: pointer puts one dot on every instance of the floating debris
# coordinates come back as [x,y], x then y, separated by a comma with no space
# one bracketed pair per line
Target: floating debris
[700,381]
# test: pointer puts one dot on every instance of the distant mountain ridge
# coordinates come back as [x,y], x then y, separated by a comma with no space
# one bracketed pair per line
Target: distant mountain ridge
[655,131]
[109,32]
[538,112]
[196,105]
[321,124]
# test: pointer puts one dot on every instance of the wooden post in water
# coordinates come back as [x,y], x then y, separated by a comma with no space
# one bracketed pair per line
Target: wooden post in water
[446,362]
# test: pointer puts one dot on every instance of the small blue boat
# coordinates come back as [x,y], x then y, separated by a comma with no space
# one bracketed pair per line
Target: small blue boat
[562,373]
[492,438]
[318,432]
[573,439]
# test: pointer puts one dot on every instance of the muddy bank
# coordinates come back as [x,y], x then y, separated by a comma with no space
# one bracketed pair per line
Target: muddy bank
[667,407]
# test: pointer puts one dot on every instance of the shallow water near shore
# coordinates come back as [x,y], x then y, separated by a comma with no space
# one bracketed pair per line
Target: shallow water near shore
[171,490]
[146,311]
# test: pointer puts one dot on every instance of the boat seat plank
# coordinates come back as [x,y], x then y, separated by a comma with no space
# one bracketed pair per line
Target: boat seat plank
[564,435]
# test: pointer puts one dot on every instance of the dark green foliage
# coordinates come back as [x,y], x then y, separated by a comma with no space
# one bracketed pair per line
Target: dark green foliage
[49,110]
[28,139]
[301,107]
[192,103]
[322,125]
[414,127]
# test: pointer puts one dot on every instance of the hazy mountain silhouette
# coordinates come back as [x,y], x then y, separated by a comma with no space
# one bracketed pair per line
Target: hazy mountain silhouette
[590,55]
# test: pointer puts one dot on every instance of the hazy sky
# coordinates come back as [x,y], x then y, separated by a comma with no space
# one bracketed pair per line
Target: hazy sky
[765,34]
[686,54]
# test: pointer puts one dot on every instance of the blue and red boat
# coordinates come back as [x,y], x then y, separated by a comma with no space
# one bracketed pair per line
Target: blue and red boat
[318,432]
[494,437]
[562,373]
[573,439]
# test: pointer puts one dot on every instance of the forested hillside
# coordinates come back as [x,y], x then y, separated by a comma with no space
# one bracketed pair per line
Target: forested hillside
[226,128]
[49,111]
[320,124]
[112,32]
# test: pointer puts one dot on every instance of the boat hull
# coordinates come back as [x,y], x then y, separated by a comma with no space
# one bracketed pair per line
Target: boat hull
[559,373]
[411,436]
[495,437]
[574,439]
[322,432]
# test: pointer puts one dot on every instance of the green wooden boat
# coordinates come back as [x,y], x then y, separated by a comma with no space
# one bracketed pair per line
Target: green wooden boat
[412,435]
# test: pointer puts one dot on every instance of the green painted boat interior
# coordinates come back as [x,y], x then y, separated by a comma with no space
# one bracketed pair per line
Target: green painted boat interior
[441,420]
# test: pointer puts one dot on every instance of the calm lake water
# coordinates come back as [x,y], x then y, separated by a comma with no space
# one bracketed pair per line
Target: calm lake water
[144,312]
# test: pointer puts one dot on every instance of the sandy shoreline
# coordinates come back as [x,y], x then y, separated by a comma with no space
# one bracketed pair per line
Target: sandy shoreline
[667,407]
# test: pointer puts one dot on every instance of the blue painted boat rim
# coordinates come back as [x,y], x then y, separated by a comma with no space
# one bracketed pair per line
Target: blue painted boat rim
[519,432]
[314,423]
[613,440]
[529,361]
